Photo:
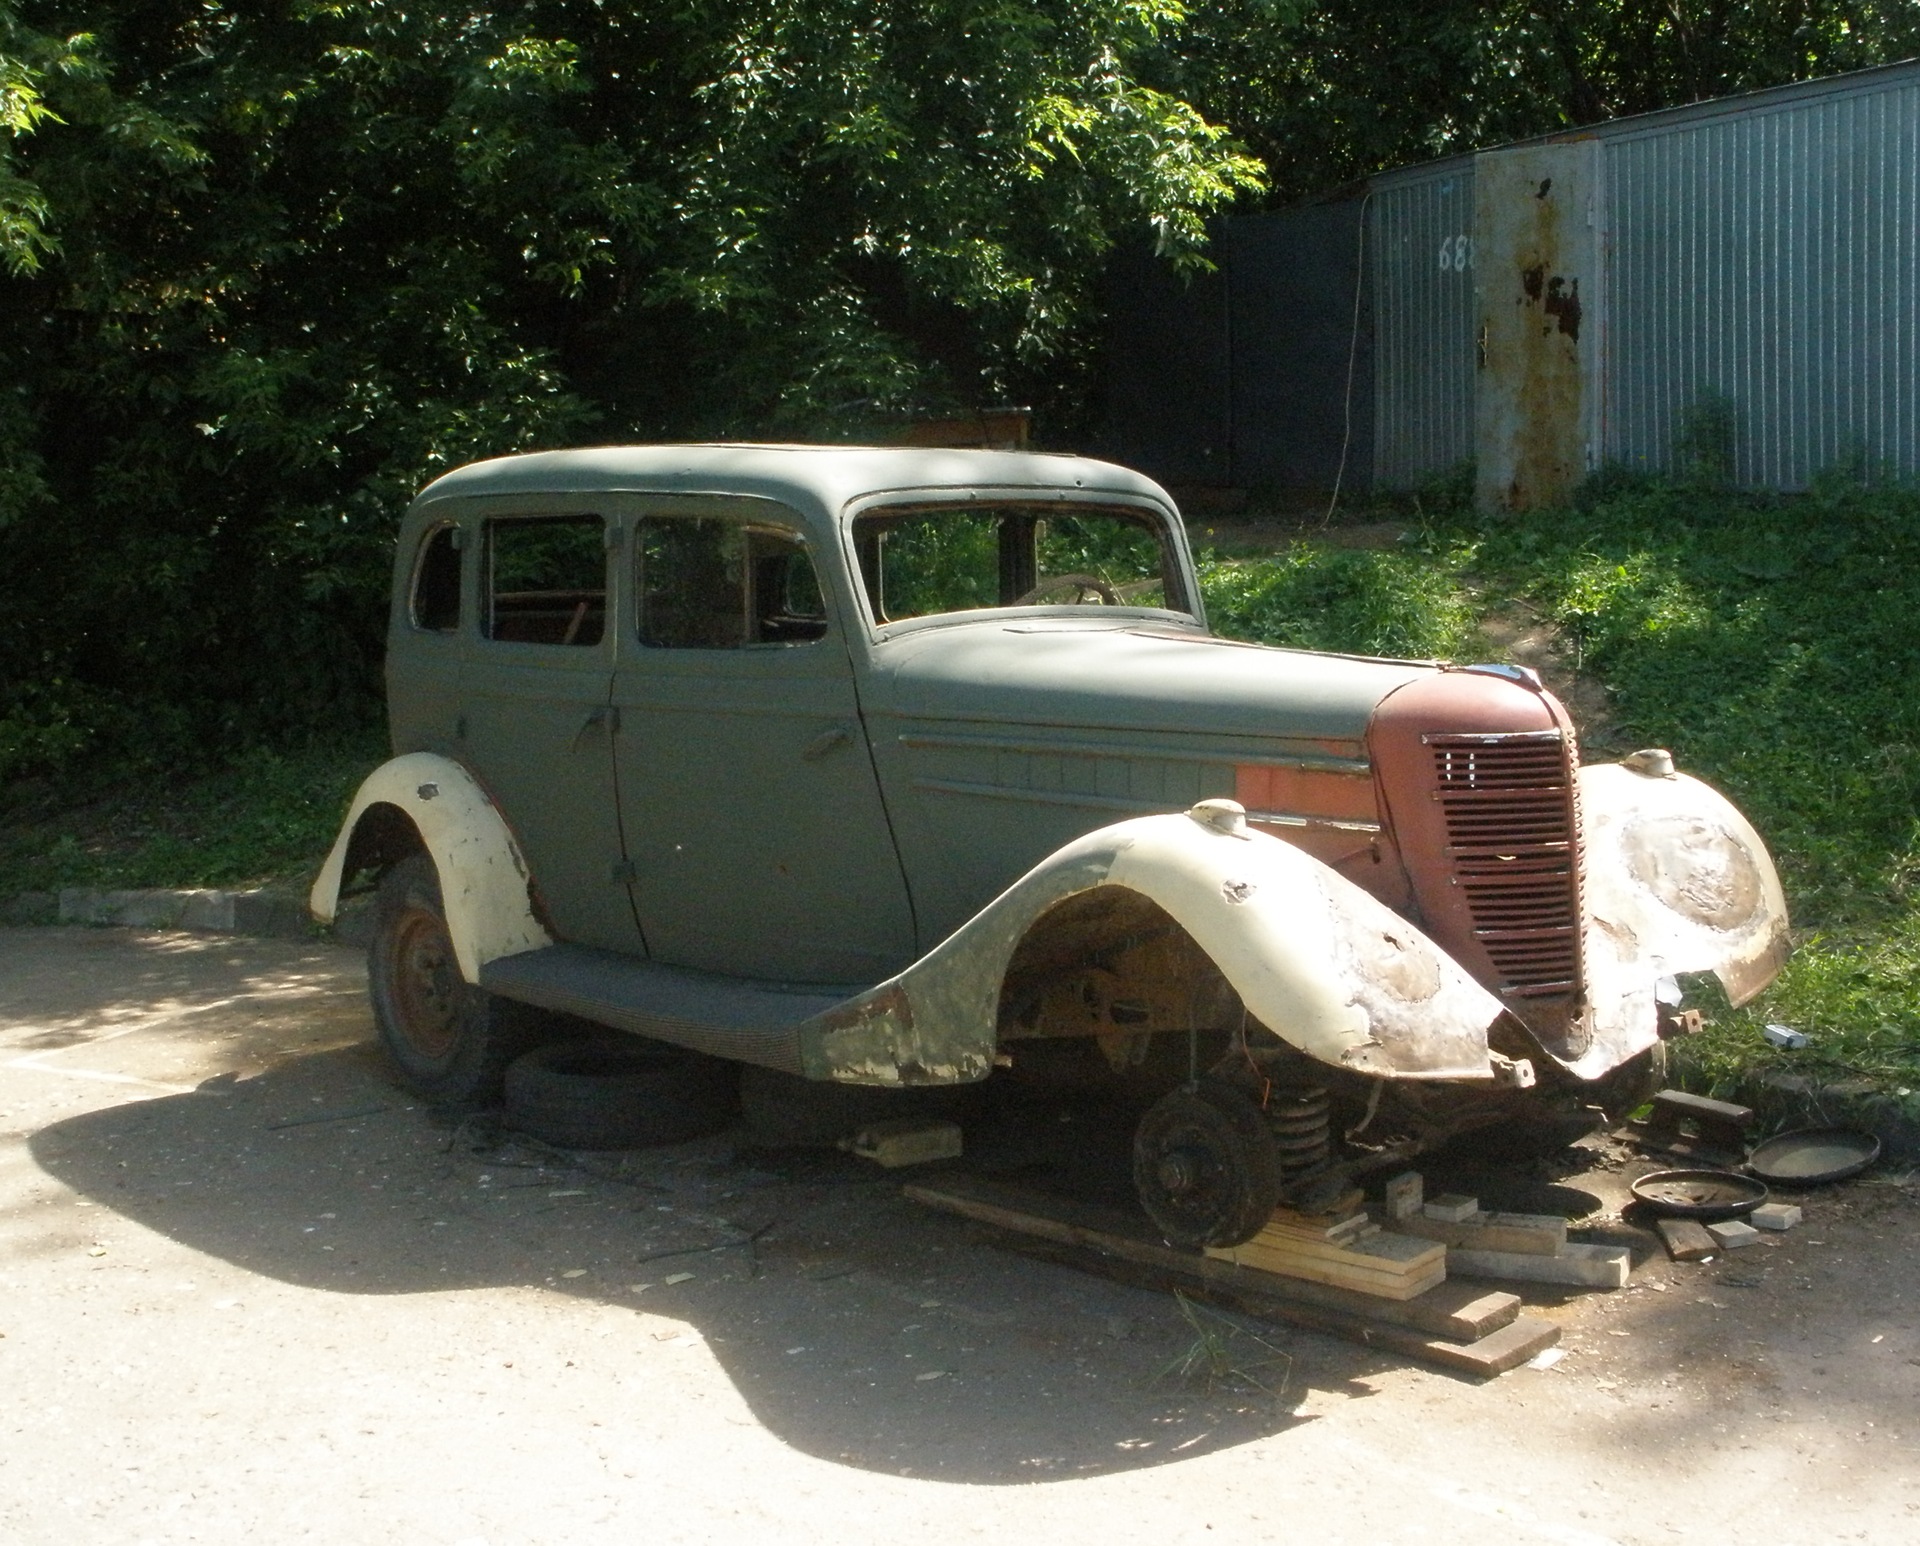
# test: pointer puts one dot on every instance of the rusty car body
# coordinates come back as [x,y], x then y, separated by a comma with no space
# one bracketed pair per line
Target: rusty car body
[906,767]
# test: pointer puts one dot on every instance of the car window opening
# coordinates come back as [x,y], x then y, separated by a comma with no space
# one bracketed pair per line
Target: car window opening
[927,560]
[547,580]
[436,582]
[706,582]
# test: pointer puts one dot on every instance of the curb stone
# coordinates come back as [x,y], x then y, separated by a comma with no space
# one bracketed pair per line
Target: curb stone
[260,912]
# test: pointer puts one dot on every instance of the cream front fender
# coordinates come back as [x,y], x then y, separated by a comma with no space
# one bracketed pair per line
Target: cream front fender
[483,878]
[1677,881]
[1314,958]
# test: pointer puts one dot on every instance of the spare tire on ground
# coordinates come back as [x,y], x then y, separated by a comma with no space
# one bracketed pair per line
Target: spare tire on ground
[618,1093]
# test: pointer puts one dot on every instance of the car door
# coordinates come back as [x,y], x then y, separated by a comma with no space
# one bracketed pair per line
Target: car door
[754,826]
[535,722]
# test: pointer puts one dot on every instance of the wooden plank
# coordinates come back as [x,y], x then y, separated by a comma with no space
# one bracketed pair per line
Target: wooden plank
[1677,1104]
[1687,1239]
[1497,1352]
[1380,1252]
[1539,1234]
[1454,1311]
[1340,1274]
[1389,1249]
[1503,1347]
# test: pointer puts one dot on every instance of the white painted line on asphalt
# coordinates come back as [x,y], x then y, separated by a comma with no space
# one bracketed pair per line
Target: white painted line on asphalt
[34,1067]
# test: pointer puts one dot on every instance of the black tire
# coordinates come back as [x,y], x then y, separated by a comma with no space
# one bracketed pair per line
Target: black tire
[1205,1166]
[450,1041]
[618,1093]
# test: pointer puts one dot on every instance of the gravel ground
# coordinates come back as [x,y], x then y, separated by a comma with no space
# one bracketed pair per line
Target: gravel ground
[250,1291]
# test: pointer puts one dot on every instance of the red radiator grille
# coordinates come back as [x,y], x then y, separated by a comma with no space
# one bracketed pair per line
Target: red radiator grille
[1512,840]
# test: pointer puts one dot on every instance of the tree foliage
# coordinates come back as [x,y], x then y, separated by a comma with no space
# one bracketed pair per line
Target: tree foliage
[269,267]
[264,269]
[1324,94]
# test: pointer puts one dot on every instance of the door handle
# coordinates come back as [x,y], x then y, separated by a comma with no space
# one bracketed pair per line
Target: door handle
[827,741]
[603,714]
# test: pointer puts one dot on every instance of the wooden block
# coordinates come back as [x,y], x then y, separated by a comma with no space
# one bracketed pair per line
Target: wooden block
[1733,1234]
[1687,1239]
[1583,1266]
[1451,1208]
[1678,1105]
[1404,1197]
[1539,1234]
[1669,1141]
[1313,1226]
[1499,1351]
[1775,1215]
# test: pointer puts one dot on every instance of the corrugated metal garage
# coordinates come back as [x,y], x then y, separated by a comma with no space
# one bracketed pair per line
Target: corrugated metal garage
[1549,306]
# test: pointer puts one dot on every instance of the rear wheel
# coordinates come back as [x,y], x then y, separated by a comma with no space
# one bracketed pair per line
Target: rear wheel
[449,1040]
[1205,1166]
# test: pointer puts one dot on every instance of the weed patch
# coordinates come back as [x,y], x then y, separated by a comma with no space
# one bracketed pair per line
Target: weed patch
[267,815]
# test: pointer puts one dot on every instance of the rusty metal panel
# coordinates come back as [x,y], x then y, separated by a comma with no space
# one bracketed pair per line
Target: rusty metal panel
[1420,231]
[1537,222]
[1765,255]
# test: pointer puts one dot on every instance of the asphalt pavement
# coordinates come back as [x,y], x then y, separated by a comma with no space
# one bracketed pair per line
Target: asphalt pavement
[251,1291]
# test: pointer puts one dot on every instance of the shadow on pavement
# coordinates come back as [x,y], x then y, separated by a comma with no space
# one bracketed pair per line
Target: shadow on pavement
[858,1327]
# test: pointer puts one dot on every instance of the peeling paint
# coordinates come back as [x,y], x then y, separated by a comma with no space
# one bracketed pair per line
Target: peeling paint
[1677,881]
[1316,960]
[484,882]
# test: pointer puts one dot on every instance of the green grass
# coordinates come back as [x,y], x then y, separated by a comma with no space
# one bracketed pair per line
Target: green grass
[1409,603]
[267,816]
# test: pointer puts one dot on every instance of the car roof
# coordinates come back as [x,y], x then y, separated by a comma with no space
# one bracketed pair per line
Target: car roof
[815,479]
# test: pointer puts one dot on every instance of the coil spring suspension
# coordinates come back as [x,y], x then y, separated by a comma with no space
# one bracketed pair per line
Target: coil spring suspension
[1301,1121]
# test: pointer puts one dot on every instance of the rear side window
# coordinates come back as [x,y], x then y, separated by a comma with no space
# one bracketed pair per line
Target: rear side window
[547,580]
[705,582]
[436,581]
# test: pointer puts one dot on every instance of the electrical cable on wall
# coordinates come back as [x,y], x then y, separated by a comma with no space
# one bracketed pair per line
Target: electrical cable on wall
[1353,351]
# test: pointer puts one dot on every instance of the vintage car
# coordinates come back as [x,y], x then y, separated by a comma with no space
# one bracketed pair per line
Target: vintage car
[901,767]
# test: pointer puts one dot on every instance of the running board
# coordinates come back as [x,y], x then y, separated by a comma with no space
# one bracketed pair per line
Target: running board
[730,1017]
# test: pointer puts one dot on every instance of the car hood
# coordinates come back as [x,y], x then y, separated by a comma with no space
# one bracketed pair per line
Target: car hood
[1137,676]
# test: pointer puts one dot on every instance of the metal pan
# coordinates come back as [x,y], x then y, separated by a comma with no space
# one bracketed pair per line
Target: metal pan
[1700,1194]
[1814,1156]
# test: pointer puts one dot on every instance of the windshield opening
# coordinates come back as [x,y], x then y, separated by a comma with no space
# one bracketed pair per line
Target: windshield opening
[959,558]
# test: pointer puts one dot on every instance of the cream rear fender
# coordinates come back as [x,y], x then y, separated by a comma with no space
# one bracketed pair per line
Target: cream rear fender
[1325,966]
[1676,881]
[484,880]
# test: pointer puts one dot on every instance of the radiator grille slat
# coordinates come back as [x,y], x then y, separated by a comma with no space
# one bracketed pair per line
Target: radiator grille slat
[1513,839]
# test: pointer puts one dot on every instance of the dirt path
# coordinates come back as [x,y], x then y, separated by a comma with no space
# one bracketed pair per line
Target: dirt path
[248,1291]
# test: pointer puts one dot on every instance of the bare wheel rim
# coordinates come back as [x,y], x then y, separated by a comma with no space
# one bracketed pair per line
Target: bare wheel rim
[426,984]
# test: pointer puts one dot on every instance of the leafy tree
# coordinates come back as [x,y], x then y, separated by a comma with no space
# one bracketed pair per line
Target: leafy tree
[1328,93]
[270,267]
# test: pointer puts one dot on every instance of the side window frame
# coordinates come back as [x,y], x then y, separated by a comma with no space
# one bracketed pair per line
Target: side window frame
[752,614]
[422,553]
[529,513]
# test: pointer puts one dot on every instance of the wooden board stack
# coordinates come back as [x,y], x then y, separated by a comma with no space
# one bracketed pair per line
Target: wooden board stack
[1469,1330]
[1353,1253]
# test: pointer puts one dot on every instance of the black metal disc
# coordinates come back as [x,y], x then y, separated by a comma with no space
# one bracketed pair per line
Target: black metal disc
[1205,1166]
